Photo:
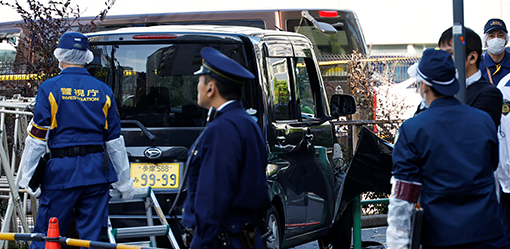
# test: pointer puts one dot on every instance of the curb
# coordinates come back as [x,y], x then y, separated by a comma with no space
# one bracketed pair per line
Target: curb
[376,220]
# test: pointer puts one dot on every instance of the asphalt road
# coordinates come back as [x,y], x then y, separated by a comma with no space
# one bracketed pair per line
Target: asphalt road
[377,234]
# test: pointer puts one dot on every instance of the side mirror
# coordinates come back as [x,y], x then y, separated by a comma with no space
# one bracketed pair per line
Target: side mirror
[325,28]
[342,105]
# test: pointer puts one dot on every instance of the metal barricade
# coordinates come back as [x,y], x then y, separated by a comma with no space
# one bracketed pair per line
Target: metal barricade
[16,208]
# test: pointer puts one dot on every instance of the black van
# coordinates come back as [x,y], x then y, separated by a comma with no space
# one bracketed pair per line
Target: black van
[150,70]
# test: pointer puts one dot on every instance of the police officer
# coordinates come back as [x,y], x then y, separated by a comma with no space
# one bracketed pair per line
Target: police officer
[495,63]
[75,116]
[227,186]
[448,153]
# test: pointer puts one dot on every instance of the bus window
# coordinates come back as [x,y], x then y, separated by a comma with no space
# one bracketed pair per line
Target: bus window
[344,41]
[7,56]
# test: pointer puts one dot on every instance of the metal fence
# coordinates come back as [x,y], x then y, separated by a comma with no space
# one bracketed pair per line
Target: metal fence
[16,79]
[393,66]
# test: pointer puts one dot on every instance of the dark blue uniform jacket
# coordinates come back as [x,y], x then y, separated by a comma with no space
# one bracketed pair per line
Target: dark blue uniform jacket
[227,184]
[452,149]
[76,109]
[485,96]
[487,62]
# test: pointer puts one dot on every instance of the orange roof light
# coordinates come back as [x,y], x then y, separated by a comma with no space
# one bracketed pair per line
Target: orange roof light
[328,13]
[154,37]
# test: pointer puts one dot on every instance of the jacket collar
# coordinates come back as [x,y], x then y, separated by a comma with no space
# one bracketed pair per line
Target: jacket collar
[473,78]
[75,70]
[444,102]
[487,60]
[229,106]
[225,104]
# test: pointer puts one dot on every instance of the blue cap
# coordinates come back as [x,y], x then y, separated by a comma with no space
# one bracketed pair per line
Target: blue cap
[493,24]
[222,68]
[73,40]
[438,69]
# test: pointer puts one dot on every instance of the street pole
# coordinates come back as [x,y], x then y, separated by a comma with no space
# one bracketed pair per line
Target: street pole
[459,52]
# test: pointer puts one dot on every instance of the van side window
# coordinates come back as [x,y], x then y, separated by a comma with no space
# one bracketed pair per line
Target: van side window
[306,98]
[280,86]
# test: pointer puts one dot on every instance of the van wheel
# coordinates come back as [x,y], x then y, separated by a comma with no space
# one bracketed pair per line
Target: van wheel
[341,232]
[274,240]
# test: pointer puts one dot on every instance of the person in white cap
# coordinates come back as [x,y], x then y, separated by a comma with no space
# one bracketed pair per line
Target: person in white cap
[75,116]
[446,166]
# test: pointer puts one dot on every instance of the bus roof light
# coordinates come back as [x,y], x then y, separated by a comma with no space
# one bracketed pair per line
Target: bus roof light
[328,13]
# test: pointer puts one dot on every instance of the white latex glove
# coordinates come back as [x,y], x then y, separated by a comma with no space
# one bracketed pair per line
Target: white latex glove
[35,194]
[398,234]
[117,152]
[32,153]
[127,195]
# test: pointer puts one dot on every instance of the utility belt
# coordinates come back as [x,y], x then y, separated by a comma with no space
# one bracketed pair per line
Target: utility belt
[246,236]
[38,176]
[81,150]
[75,151]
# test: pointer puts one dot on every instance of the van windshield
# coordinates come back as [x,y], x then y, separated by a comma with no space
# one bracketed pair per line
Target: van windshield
[154,83]
[345,41]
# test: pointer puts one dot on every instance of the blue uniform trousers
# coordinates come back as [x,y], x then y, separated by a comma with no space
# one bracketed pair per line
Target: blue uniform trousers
[505,211]
[90,204]
[235,243]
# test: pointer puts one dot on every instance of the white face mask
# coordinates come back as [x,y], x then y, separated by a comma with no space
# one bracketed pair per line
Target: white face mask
[496,46]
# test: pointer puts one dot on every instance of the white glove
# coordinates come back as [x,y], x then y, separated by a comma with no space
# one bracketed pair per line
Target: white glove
[35,194]
[32,153]
[117,152]
[127,195]
[398,234]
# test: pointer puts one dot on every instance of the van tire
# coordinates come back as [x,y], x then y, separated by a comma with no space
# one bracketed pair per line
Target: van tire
[274,241]
[341,232]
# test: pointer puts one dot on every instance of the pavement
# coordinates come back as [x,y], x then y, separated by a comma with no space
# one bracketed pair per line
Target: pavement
[373,233]
[371,238]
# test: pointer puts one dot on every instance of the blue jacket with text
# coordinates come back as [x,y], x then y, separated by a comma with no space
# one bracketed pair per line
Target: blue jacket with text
[77,109]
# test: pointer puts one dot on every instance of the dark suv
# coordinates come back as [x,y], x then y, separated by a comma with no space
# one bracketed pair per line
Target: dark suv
[150,70]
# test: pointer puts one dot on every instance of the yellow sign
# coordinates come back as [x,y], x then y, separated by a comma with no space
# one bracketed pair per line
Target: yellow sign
[161,175]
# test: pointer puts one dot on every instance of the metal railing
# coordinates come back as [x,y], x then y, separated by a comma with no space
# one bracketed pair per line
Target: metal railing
[392,66]
[16,207]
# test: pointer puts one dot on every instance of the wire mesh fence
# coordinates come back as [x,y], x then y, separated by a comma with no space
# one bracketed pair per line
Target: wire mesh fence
[15,78]
[391,65]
